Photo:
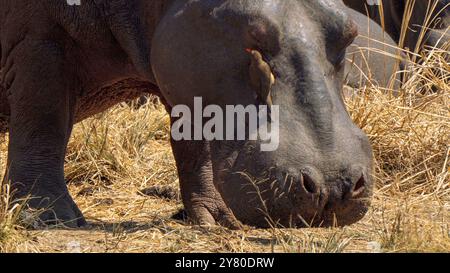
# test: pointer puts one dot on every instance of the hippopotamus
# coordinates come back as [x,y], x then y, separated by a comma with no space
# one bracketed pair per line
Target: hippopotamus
[62,63]
[435,15]
[374,58]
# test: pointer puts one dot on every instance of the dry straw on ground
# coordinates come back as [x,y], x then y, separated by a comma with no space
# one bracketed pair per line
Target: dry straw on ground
[114,157]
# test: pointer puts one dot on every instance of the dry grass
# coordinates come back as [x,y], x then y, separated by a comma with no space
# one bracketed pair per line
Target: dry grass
[13,236]
[113,157]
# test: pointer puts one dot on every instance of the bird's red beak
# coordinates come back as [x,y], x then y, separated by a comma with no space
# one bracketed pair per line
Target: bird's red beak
[249,50]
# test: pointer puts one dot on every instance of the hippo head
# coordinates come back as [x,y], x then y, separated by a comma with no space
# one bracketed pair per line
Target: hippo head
[320,173]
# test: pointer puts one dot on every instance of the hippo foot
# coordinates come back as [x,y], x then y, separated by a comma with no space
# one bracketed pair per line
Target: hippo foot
[57,211]
[210,212]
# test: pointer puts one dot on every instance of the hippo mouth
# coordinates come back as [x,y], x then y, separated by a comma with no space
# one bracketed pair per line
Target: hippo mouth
[266,197]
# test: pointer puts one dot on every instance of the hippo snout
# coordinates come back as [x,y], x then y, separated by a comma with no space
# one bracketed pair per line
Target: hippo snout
[326,199]
[348,200]
[312,195]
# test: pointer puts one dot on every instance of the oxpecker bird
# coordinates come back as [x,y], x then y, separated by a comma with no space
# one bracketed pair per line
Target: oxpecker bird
[261,77]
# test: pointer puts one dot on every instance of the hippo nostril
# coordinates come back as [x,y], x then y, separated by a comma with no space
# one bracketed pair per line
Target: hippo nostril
[359,187]
[309,184]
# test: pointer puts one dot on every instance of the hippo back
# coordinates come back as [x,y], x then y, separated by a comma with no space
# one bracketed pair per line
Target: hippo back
[373,58]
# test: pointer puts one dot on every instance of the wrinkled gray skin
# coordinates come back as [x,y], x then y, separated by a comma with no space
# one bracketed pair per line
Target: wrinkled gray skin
[61,64]
[371,59]
[439,21]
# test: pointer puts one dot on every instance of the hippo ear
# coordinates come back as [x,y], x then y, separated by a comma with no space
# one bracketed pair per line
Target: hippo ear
[350,32]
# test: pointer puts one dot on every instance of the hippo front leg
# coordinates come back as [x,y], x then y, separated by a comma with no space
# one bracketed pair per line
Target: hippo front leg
[42,99]
[203,203]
